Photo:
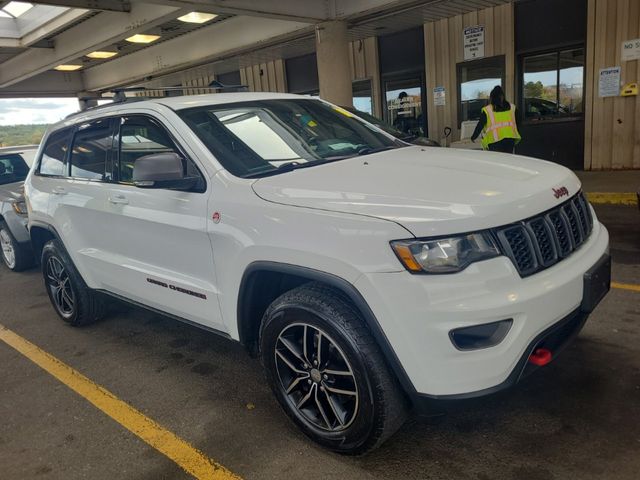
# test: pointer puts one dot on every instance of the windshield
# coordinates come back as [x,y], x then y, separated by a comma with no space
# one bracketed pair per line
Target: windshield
[13,169]
[380,124]
[253,139]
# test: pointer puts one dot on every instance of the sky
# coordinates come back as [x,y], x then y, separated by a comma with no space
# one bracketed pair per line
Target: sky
[35,110]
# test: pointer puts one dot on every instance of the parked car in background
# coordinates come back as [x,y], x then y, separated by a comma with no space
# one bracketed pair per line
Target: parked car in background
[539,108]
[15,242]
[399,134]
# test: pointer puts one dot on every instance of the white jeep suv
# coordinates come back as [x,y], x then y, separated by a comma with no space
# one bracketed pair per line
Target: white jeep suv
[369,275]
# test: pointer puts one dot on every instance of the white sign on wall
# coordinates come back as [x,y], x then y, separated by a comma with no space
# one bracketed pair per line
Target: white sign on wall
[631,50]
[473,42]
[439,96]
[609,84]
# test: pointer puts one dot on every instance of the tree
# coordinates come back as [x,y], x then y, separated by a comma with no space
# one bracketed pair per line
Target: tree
[11,135]
[533,89]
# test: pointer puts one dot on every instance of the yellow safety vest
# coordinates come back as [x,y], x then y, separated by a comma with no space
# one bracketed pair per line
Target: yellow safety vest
[500,125]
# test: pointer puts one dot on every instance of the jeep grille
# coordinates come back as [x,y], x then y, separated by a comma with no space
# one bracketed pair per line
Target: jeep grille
[539,242]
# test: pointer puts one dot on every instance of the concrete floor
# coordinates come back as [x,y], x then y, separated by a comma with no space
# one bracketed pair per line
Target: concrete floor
[577,418]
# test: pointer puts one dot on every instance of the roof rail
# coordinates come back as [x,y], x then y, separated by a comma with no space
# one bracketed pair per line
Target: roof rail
[120,94]
[99,107]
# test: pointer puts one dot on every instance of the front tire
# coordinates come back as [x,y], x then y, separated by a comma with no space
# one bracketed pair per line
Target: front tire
[72,300]
[327,371]
[15,256]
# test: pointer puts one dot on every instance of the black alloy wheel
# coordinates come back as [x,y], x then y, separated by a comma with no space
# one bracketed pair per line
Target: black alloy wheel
[327,371]
[59,286]
[316,377]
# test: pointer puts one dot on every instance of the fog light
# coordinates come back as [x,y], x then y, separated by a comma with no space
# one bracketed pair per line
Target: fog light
[480,336]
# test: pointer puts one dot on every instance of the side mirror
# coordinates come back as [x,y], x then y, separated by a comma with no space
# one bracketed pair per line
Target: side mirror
[161,170]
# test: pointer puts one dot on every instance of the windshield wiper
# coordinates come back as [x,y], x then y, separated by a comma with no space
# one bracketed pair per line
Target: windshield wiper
[288,167]
[368,150]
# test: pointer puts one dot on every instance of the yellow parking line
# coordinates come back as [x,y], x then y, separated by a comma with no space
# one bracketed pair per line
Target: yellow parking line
[186,456]
[626,286]
[613,198]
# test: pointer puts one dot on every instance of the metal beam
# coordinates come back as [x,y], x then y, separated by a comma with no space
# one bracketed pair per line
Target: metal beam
[52,26]
[47,84]
[309,11]
[10,43]
[234,36]
[105,5]
[97,32]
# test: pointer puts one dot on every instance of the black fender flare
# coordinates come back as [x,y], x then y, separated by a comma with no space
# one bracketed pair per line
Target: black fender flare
[339,284]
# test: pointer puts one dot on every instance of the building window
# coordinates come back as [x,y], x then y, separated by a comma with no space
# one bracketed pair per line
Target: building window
[302,75]
[362,98]
[476,79]
[553,85]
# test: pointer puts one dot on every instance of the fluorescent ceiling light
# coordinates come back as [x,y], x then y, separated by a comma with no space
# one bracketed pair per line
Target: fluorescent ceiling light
[197,17]
[68,68]
[16,9]
[101,54]
[141,38]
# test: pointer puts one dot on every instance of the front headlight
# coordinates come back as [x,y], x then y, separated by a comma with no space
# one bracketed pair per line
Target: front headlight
[445,255]
[20,207]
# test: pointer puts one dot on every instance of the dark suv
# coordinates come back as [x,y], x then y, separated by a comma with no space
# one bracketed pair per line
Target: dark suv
[15,243]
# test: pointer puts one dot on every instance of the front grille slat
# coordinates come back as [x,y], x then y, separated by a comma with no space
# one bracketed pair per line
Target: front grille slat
[583,213]
[544,244]
[519,246]
[539,242]
[561,231]
[572,218]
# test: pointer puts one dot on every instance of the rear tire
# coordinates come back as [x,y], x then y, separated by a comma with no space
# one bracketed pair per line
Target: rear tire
[72,300]
[15,256]
[327,371]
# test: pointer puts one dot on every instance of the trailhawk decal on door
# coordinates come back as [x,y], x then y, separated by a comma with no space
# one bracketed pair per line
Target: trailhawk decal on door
[177,289]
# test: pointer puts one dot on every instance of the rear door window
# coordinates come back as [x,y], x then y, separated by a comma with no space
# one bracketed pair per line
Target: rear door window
[55,153]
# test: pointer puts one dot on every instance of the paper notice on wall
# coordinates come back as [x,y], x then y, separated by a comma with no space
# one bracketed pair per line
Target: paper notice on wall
[439,96]
[473,42]
[609,84]
[630,50]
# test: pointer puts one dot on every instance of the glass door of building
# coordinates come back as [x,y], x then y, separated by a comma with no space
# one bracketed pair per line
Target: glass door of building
[404,104]
[551,104]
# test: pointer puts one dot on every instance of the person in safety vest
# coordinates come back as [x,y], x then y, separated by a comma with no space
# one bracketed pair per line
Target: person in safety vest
[498,122]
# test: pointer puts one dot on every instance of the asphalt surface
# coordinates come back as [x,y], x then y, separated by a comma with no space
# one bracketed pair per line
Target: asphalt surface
[576,418]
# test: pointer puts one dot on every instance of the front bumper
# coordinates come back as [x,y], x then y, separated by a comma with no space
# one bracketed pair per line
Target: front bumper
[417,312]
[18,225]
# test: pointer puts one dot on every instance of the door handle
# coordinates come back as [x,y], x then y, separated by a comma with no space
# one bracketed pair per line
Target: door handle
[59,191]
[119,200]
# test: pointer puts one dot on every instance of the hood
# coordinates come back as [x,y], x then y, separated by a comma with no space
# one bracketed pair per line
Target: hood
[11,192]
[429,191]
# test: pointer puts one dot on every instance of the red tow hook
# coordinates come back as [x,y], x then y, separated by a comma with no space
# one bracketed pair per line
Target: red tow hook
[541,356]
